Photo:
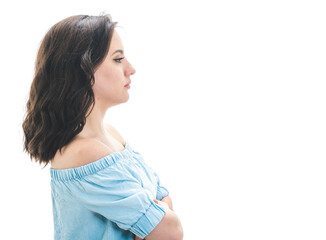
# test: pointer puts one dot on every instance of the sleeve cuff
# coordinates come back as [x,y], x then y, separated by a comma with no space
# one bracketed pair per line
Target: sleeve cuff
[162,192]
[148,221]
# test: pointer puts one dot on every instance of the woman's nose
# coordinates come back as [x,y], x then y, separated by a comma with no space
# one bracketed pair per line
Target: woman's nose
[131,70]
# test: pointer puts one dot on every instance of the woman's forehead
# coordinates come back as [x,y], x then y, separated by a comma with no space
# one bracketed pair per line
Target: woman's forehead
[116,42]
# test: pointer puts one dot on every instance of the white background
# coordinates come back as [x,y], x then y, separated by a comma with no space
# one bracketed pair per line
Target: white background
[227,104]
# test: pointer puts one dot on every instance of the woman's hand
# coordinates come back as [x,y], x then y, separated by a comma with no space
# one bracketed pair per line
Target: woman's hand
[138,238]
[168,200]
[163,204]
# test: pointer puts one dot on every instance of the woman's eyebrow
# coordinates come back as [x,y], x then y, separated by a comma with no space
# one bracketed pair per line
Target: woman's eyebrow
[119,50]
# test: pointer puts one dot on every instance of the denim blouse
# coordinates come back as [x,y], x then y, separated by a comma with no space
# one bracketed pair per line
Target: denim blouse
[111,198]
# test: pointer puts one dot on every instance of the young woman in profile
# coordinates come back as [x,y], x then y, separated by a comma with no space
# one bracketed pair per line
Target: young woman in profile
[100,187]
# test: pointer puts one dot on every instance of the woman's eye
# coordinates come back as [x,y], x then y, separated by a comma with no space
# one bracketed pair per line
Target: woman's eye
[118,60]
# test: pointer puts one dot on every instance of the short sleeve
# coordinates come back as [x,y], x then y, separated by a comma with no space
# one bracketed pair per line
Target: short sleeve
[118,196]
[162,192]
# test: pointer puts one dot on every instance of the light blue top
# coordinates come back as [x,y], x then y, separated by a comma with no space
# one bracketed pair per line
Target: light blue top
[111,198]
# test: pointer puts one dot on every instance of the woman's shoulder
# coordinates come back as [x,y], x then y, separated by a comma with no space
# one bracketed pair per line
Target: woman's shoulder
[80,152]
[90,149]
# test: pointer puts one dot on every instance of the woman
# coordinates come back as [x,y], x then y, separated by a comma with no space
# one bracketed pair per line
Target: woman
[100,187]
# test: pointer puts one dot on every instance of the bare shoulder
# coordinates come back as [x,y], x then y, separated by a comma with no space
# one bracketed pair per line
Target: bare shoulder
[90,150]
[81,152]
[114,132]
[87,150]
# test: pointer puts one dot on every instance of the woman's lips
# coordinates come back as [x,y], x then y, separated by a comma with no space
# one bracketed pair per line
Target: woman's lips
[127,86]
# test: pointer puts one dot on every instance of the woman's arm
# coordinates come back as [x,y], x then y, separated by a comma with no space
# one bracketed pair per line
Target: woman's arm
[168,201]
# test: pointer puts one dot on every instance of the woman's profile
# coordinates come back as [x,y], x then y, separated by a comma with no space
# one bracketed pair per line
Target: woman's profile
[101,187]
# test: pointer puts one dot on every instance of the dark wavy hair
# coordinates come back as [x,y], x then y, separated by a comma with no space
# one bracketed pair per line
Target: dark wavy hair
[61,92]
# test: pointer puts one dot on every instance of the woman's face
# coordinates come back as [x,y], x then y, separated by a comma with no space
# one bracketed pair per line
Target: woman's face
[112,75]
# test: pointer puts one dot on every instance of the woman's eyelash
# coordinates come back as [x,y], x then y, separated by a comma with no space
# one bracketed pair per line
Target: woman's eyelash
[118,60]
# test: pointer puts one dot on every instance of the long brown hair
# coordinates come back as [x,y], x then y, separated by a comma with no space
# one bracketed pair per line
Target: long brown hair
[61,92]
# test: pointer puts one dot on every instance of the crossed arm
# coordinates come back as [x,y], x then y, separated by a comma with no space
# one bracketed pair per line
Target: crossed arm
[168,201]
